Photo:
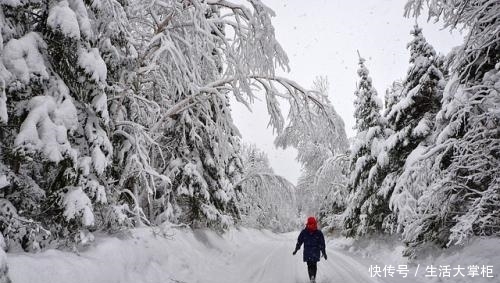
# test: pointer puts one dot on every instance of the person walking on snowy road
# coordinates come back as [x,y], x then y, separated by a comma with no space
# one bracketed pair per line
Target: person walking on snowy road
[314,244]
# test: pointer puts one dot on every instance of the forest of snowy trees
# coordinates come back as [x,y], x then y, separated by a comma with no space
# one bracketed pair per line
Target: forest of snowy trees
[426,167]
[116,113]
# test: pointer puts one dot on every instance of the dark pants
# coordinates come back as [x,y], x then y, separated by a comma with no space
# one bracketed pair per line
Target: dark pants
[312,267]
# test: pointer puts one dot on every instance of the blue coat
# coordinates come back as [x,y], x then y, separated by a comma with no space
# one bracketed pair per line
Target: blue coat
[314,244]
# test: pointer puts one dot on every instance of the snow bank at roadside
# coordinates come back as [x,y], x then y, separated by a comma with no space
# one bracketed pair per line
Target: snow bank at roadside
[388,251]
[144,255]
[376,249]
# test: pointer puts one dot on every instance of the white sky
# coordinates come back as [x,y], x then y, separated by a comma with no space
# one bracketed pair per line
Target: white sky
[321,38]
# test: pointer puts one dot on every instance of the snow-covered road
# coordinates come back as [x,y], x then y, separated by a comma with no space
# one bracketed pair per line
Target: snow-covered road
[183,255]
[272,261]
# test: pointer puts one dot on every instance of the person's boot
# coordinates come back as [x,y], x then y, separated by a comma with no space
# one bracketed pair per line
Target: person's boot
[313,279]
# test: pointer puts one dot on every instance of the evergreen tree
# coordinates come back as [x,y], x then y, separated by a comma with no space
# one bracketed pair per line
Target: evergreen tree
[366,209]
[205,164]
[420,89]
[411,120]
[55,143]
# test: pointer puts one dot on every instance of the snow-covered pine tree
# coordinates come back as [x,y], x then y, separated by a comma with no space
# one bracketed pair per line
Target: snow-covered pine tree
[204,164]
[266,200]
[411,121]
[55,144]
[366,209]
[420,91]
[462,196]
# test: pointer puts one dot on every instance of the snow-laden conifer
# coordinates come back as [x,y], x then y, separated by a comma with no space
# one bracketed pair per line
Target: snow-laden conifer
[411,122]
[366,209]
[55,119]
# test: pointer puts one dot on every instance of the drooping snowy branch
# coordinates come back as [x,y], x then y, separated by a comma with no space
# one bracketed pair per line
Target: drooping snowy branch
[267,200]
[192,56]
[319,136]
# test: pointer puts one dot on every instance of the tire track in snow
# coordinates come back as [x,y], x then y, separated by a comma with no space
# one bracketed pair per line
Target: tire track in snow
[269,262]
[272,262]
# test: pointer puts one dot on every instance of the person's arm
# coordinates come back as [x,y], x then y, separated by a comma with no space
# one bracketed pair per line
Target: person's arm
[322,245]
[300,240]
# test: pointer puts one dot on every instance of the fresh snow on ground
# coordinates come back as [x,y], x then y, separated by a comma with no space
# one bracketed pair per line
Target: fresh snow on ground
[183,255]
[384,251]
[170,255]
